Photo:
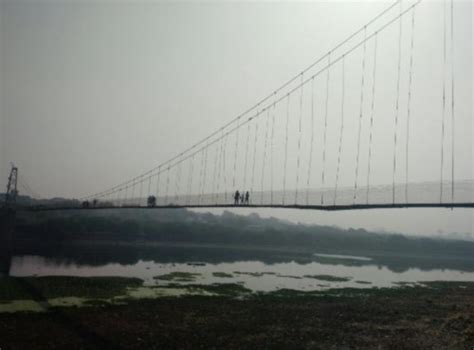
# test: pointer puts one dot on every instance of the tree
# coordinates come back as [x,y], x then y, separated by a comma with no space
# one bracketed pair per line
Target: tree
[151,202]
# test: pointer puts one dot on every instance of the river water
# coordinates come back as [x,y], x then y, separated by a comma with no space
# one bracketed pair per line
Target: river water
[340,271]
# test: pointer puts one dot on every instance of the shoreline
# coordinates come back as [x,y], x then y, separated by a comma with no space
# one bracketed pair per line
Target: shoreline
[439,315]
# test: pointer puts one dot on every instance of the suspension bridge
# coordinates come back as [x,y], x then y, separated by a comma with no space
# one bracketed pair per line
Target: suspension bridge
[355,129]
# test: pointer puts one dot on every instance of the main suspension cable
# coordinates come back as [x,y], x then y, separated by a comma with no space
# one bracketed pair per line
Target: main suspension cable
[372,113]
[236,148]
[219,170]
[214,175]
[323,168]
[310,161]
[264,155]
[395,133]
[158,184]
[452,101]
[167,184]
[177,184]
[361,112]
[443,112]
[246,155]
[286,147]
[190,179]
[350,50]
[254,156]
[298,159]
[410,79]
[224,168]
[252,108]
[341,132]
[272,151]
[204,173]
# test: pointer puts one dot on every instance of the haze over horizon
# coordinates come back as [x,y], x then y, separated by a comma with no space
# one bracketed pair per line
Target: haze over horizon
[92,94]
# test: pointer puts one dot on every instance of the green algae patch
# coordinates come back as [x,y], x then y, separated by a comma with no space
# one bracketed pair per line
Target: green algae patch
[228,289]
[151,293]
[288,293]
[222,275]
[329,278]
[231,290]
[21,305]
[178,277]
[49,293]
[29,305]
[36,294]
[67,301]
[160,292]
[50,287]
[290,276]
[254,274]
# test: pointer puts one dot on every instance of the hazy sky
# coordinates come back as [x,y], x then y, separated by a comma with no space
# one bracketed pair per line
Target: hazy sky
[95,92]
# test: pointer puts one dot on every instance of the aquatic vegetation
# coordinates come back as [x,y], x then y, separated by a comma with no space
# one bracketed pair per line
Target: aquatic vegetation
[406,284]
[254,274]
[21,305]
[329,278]
[159,292]
[178,276]
[42,288]
[227,289]
[232,290]
[343,257]
[290,276]
[62,292]
[222,275]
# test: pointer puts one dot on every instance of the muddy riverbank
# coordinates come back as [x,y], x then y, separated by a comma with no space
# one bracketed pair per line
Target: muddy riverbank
[435,315]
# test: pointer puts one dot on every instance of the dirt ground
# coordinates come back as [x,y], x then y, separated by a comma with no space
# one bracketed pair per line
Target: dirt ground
[406,318]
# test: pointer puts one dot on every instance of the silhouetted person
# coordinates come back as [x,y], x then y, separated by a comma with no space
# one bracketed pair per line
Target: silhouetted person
[151,201]
[242,198]
[236,197]
[247,196]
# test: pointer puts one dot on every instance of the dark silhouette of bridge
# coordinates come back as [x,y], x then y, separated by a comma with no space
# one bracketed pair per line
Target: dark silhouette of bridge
[336,136]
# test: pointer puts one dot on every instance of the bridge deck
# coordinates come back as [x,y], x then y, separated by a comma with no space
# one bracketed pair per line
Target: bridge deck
[281,206]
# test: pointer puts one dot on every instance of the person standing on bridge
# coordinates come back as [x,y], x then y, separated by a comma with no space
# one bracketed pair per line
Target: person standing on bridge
[247,196]
[236,197]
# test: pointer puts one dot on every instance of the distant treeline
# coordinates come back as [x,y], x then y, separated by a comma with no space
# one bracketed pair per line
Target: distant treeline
[27,201]
[180,225]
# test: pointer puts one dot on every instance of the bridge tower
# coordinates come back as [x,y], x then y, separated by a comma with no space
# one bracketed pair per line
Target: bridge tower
[7,222]
[11,194]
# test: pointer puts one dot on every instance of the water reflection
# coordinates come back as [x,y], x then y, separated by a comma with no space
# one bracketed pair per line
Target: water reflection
[256,275]
[7,222]
[5,262]
[131,253]
[344,257]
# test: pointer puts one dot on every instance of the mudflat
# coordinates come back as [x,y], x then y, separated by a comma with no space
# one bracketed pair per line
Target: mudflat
[436,315]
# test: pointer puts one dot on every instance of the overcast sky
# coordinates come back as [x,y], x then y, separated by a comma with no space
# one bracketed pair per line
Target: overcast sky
[93,93]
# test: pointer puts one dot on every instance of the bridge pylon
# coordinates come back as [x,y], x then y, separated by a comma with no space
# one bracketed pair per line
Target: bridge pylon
[7,222]
[12,191]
